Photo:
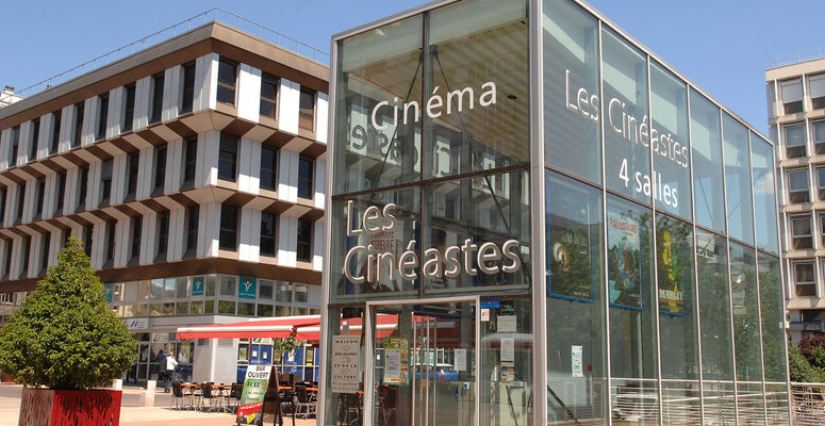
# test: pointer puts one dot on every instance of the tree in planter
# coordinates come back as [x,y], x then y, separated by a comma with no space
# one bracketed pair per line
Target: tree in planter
[280,347]
[65,336]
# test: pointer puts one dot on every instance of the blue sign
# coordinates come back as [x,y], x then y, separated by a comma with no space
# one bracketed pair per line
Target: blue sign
[490,303]
[248,288]
[109,290]
[197,286]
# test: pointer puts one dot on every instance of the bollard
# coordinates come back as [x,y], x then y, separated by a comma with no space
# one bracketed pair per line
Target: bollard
[147,397]
[117,384]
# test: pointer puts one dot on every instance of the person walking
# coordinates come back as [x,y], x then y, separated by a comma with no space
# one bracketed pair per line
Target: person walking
[171,365]
[161,360]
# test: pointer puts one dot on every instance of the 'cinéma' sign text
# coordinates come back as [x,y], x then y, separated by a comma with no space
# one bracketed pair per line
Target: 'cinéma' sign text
[435,104]
[447,262]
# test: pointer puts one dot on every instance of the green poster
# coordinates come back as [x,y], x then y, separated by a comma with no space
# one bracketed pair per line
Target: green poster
[250,408]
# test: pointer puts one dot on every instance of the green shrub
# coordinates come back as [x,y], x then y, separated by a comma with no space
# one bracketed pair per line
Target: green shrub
[65,336]
[801,369]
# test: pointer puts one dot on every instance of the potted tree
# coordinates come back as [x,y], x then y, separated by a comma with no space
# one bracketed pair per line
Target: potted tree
[64,344]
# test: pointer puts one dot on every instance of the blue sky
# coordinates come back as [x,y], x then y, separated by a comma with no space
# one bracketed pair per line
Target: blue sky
[724,46]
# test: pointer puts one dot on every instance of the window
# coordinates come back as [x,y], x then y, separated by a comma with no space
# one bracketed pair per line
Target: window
[160,169]
[9,247]
[266,289]
[804,279]
[3,192]
[77,135]
[795,141]
[229,228]
[157,98]
[56,118]
[268,234]
[110,241]
[816,87]
[305,174]
[61,193]
[87,239]
[21,198]
[791,93]
[227,76]
[188,88]
[129,111]
[15,144]
[34,139]
[304,250]
[192,218]
[798,186]
[106,183]
[269,96]
[801,232]
[131,185]
[284,292]
[228,157]
[190,159]
[44,252]
[269,168]
[27,246]
[306,107]
[102,117]
[84,186]
[163,233]
[137,229]
[301,293]
[41,196]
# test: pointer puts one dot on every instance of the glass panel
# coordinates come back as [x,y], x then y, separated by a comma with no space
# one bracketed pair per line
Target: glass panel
[746,325]
[795,141]
[715,316]
[182,287]
[764,194]
[571,90]
[182,308]
[228,286]
[169,290]
[706,140]
[576,332]
[738,180]
[677,322]
[210,285]
[361,282]
[475,218]
[798,186]
[381,65]
[791,93]
[478,54]
[670,143]
[633,353]
[226,307]
[626,138]
[156,289]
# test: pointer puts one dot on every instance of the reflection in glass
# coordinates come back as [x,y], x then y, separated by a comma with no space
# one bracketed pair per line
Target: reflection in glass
[478,59]
[717,335]
[464,214]
[669,142]
[575,304]
[571,80]
[677,322]
[746,326]
[773,339]
[764,194]
[633,313]
[627,155]
[706,140]
[738,180]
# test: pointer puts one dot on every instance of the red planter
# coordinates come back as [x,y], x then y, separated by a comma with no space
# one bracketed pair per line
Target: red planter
[45,407]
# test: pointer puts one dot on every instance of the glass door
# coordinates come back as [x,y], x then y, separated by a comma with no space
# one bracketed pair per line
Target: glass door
[423,364]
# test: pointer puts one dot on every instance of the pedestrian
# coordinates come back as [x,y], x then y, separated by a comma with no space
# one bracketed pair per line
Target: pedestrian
[171,364]
[161,360]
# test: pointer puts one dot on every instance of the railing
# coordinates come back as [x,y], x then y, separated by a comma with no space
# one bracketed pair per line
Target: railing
[796,57]
[214,14]
[808,403]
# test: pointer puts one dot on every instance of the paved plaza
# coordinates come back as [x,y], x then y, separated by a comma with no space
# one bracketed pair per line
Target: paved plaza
[131,413]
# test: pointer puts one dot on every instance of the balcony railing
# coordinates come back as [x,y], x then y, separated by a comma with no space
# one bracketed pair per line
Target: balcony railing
[797,57]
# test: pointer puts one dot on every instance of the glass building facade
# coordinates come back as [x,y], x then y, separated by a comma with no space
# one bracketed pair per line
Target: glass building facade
[534,220]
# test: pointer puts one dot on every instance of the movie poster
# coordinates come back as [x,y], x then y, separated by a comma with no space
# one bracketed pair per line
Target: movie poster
[624,258]
[570,260]
[671,265]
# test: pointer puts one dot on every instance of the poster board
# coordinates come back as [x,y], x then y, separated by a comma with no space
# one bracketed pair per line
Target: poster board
[250,407]
[345,372]
[624,254]
[396,361]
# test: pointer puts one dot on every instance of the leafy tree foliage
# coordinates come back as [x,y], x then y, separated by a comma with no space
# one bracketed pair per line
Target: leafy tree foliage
[801,369]
[65,336]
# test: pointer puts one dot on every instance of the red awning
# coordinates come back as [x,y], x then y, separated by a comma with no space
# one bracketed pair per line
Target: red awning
[278,328]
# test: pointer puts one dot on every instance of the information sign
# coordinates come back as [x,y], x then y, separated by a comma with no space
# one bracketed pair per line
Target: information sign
[345,373]
[250,408]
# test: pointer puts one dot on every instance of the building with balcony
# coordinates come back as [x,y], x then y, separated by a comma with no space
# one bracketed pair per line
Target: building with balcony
[796,113]
[194,173]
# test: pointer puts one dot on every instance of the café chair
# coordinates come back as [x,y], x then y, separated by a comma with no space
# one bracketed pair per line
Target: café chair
[306,404]
[207,394]
[177,396]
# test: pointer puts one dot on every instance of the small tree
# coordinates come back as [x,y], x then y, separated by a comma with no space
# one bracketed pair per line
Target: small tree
[65,336]
[281,347]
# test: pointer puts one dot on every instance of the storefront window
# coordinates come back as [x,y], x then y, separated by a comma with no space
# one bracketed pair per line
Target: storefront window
[633,302]
[738,180]
[670,143]
[572,109]
[706,140]
[627,147]
[764,194]
[576,335]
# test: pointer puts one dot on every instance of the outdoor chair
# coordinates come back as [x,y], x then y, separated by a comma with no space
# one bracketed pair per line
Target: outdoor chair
[177,396]
[306,404]
[235,395]
[208,395]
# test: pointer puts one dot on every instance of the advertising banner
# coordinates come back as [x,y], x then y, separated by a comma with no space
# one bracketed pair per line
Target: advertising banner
[396,361]
[671,293]
[250,408]
[625,261]
[248,288]
[197,286]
